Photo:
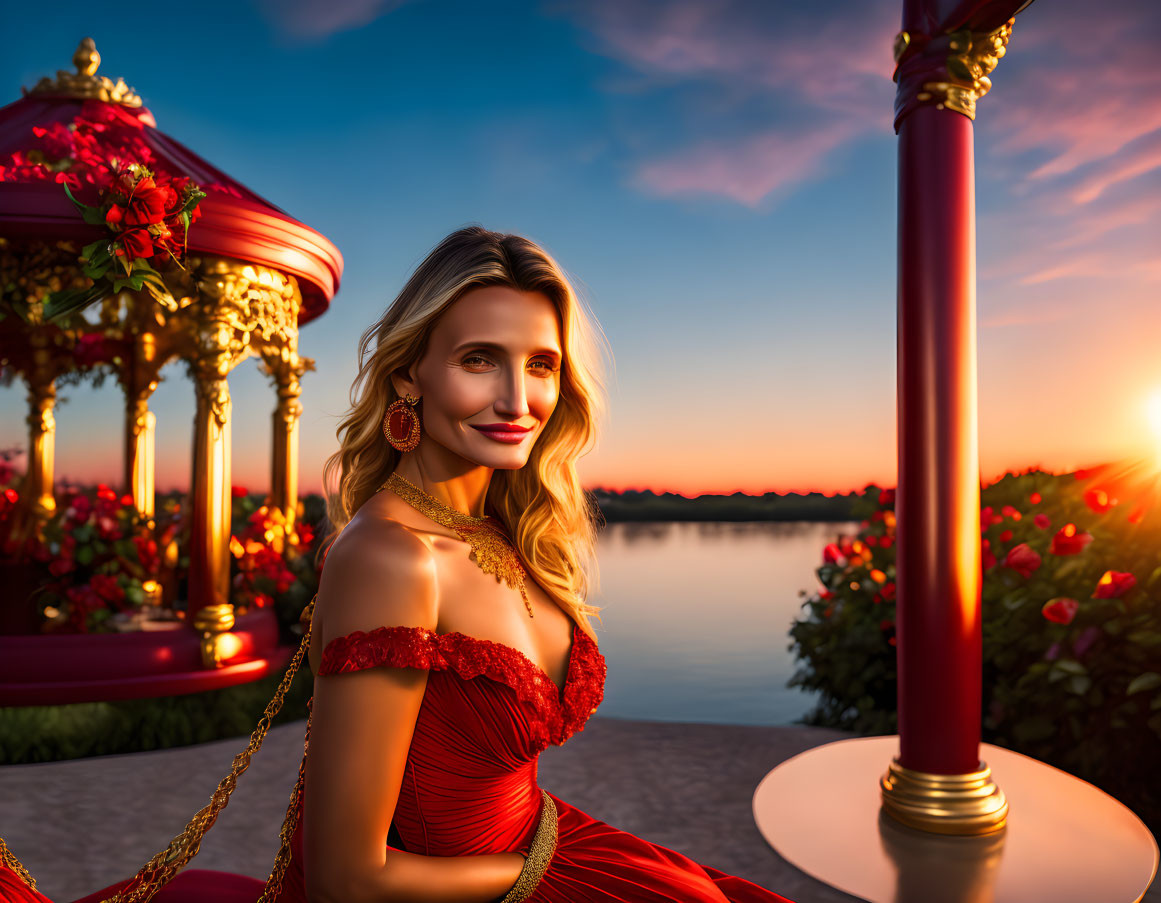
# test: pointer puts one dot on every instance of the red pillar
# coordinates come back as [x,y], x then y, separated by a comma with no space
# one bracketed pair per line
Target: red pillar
[937,501]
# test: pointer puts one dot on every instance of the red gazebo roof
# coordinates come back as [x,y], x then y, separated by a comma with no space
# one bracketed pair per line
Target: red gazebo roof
[235,222]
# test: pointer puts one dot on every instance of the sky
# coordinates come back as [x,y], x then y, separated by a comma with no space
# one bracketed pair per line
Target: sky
[719,181]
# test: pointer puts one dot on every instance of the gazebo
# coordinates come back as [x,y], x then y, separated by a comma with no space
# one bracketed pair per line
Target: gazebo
[253,275]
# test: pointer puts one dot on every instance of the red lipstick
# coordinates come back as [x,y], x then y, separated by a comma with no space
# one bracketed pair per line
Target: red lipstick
[511,433]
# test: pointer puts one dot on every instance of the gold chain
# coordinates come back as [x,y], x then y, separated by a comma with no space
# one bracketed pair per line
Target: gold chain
[493,550]
[161,869]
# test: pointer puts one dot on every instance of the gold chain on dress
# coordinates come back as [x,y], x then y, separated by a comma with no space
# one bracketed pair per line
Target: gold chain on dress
[161,869]
[493,550]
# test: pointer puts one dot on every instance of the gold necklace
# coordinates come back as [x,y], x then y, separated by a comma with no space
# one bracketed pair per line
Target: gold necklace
[493,550]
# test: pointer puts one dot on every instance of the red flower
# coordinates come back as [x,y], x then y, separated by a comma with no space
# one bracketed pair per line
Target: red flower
[1034,498]
[886,498]
[872,540]
[107,587]
[92,348]
[146,552]
[1041,521]
[1098,500]
[146,204]
[1022,558]
[826,594]
[1113,584]
[1069,542]
[987,557]
[58,567]
[1011,512]
[831,553]
[1060,610]
[986,515]
[1005,536]
[136,243]
[889,590]
[238,492]
[115,215]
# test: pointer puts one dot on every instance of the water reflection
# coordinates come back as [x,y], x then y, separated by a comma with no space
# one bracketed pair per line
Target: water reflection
[695,617]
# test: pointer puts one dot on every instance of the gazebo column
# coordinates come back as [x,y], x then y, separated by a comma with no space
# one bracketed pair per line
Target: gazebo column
[139,380]
[41,445]
[209,555]
[284,445]
[140,441]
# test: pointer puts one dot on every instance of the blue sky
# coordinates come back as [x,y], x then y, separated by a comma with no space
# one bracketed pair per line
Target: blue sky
[718,178]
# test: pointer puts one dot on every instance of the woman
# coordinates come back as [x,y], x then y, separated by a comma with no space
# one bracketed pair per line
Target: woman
[449,638]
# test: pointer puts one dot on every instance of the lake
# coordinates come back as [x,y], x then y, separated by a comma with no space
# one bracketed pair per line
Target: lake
[695,618]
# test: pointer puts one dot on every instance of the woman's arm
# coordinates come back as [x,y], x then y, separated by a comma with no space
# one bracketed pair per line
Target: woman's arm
[361,730]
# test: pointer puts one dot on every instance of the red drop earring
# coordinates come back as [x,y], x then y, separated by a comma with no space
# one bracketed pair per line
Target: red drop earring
[401,423]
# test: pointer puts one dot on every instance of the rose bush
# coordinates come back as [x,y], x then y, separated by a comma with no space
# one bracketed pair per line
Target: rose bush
[1071,606]
[94,554]
[270,561]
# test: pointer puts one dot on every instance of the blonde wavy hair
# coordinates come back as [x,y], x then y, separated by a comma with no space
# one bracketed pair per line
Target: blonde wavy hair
[551,518]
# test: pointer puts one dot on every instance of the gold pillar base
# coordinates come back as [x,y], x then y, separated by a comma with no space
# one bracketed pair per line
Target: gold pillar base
[214,622]
[969,803]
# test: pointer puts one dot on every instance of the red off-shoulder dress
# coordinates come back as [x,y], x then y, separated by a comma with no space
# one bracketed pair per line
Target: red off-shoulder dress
[470,787]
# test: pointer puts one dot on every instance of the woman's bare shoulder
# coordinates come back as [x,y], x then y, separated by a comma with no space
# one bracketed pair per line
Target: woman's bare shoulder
[377,573]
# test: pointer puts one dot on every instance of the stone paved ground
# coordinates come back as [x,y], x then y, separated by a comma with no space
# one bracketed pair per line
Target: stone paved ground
[83,824]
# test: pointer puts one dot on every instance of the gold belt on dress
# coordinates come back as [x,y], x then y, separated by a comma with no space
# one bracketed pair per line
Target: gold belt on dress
[539,853]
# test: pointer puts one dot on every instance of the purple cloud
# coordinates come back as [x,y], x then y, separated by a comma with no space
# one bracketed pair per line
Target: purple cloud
[831,73]
[308,19]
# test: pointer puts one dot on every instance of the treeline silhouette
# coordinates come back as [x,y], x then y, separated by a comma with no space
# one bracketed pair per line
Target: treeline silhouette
[647,505]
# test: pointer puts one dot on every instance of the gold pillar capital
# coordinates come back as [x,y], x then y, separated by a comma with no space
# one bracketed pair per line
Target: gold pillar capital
[947,71]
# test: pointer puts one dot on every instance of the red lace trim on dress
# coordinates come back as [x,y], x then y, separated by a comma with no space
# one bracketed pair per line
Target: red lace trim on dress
[562,713]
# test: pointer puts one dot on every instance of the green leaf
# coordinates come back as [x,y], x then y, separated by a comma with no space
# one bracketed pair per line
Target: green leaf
[1070,666]
[1079,684]
[61,304]
[161,294]
[96,251]
[84,208]
[84,555]
[97,270]
[1147,681]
